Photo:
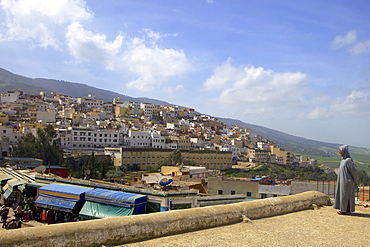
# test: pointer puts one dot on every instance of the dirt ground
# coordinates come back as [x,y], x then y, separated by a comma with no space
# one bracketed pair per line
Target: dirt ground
[31,223]
[321,227]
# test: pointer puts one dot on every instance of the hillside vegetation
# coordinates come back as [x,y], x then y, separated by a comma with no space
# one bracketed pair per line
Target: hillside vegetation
[284,172]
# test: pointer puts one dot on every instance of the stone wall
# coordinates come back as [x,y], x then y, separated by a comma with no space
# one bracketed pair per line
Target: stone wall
[127,229]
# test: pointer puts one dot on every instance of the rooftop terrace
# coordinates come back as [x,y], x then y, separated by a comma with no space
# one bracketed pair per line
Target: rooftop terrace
[321,227]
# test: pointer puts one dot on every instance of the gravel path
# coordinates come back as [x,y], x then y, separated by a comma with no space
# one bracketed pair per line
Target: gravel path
[322,227]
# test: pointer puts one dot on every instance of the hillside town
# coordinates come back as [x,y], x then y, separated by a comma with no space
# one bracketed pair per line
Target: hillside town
[87,123]
[133,137]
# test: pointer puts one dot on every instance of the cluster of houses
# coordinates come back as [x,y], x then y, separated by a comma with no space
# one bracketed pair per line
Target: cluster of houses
[140,134]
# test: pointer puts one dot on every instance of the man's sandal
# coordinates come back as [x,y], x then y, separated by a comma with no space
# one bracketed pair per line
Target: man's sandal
[343,213]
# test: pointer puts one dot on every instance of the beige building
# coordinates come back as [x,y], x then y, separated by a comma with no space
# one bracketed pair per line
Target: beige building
[144,157]
[281,154]
[183,142]
[233,186]
[4,118]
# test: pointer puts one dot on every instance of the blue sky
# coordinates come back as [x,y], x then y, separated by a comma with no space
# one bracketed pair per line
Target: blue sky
[301,67]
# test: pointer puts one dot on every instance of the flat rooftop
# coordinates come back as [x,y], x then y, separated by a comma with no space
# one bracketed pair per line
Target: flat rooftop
[321,227]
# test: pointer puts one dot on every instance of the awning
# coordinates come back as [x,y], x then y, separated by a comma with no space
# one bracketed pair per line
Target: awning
[7,185]
[55,203]
[15,184]
[71,192]
[116,198]
[94,210]
[37,185]
[7,193]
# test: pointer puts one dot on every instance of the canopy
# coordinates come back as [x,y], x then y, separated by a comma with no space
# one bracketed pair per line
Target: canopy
[7,193]
[94,210]
[14,184]
[116,198]
[55,203]
[35,184]
[71,192]
[4,177]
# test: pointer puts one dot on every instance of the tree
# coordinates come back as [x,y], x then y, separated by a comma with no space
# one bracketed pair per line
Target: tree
[176,157]
[43,146]
[26,147]
[49,146]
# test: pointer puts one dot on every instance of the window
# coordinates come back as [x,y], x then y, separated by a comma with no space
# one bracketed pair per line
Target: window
[233,192]
[220,192]
[249,194]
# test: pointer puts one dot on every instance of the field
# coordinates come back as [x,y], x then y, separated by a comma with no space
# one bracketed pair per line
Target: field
[361,157]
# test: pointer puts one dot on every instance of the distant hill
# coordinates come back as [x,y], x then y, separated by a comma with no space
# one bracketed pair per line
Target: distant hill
[292,143]
[11,82]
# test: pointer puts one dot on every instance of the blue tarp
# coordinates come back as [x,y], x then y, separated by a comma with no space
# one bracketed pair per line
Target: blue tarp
[117,198]
[55,203]
[71,192]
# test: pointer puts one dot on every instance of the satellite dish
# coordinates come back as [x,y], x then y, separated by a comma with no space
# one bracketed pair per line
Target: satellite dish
[87,172]
[165,181]
[40,169]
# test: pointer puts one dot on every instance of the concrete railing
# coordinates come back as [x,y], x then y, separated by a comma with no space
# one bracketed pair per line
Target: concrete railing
[120,230]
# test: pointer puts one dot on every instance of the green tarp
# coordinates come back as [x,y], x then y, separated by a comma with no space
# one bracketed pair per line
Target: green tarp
[93,210]
[7,193]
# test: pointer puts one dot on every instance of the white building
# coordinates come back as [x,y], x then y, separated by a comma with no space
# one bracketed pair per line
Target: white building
[90,101]
[107,138]
[86,138]
[10,133]
[138,139]
[65,137]
[10,96]
[158,141]
[148,110]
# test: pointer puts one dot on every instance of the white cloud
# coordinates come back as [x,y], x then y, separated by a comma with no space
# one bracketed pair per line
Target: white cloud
[341,41]
[357,102]
[89,47]
[250,88]
[153,65]
[42,21]
[317,113]
[350,41]
[360,48]
[148,63]
[51,23]
[171,91]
